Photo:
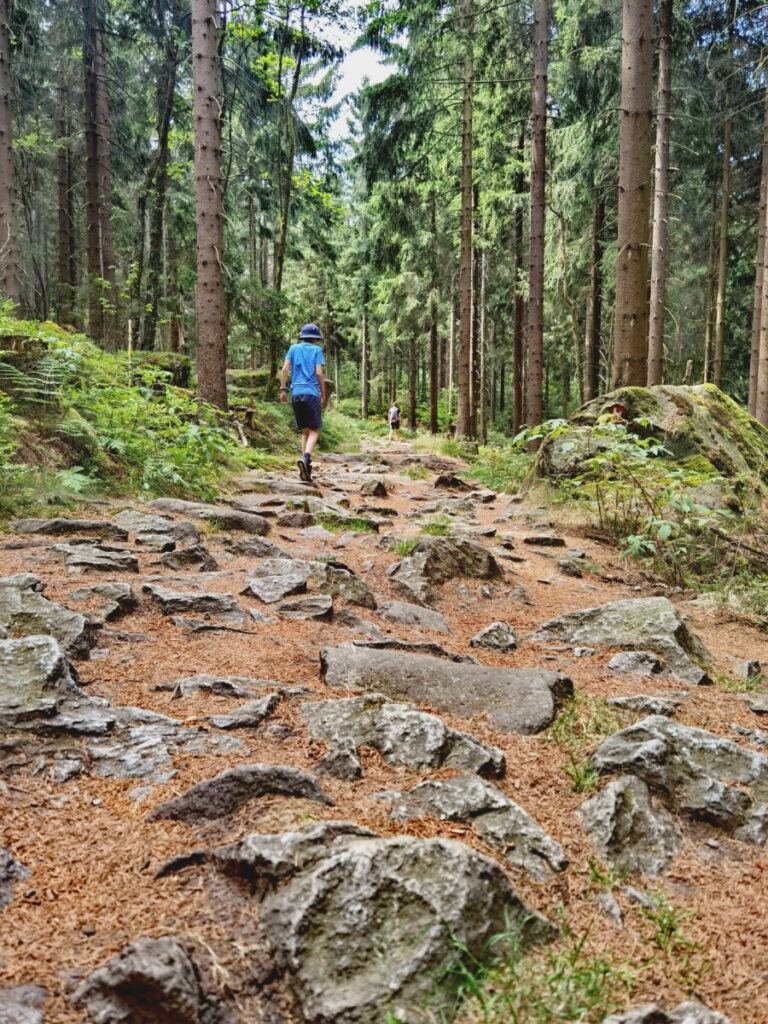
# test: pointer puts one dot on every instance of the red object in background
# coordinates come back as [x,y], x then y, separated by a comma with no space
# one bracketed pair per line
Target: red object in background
[618,412]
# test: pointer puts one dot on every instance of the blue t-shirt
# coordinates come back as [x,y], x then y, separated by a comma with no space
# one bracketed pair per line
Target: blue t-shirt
[304,357]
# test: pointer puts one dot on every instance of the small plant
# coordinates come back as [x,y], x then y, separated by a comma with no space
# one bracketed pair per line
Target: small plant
[416,472]
[685,963]
[582,773]
[601,878]
[440,526]
[337,524]
[403,548]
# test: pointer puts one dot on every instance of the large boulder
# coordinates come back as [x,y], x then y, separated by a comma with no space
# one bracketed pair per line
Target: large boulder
[24,611]
[437,560]
[719,445]
[101,528]
[516,700]
[647,623]
[35,677]
[371,931]
[218,516]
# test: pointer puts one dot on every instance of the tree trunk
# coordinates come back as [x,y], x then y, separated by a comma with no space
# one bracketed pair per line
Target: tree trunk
[412,383]
[595,302]
[209,208]
[630,357]
[660,225]
[434,372]
[176,341]
[482,372]
[536,244]
[725,188]
[710,288]
[474,361]
[10,276]
[761,396]
[67,264]
[760,268]
[518,408]
[365,369]
[464,383]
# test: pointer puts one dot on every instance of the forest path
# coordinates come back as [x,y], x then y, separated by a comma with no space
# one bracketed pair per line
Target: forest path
[75,806]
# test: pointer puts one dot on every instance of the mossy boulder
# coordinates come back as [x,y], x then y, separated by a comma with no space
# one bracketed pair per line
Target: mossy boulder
[174,363]
[721,448]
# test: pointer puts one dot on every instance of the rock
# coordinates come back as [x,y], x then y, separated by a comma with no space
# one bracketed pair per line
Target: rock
[249,715]
[22,1005]
[569,568]
[498,820]
[332,578]
[221,606]
[412,615]
[758,703]
[346,617]
[416,902]
[649,623]
[11,871]
[687,766]
[194,557]
[222,517]
[635,663]
[415,647]
[645,704]
[436,560]
[756,736]
[401,733]
[88,558]
[684,1013]
[496,637]
[35,678]
[544,540]
[70,528]
[296,520]
[374,489]
[220,686]
[24,611]
[516,700]
[258,547]
[117,599]
[341,761]
[628,833]
[607,902]
[451,482]
[151,981]
[178,530]
[274,485]
[410,583]
[270,589]
[344,584]
[749,669]
[318,607]
[225,793]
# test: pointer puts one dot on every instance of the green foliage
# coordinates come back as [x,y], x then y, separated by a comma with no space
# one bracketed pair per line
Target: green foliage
[440,526]
[403,548]
[683,958]
[583,775]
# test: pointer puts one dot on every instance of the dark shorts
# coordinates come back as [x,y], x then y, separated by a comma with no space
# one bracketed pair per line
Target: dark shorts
[395,424]
[308,412]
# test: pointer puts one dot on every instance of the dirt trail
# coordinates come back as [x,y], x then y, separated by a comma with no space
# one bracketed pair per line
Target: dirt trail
[93,855]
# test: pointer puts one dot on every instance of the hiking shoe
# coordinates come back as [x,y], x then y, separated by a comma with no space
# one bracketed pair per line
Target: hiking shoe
[305,468]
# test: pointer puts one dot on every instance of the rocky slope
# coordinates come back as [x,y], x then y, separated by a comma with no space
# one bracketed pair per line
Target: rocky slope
[263,762]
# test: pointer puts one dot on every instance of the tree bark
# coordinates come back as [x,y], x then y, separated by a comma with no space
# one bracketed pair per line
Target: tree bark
[761,390]
[434,373]
[535,338]
[760,268]
[412,383]
[725,188]
[660,224]
[630,357]
[464,383]
[209,207]
[518,365]
[66,263]
[595,303]
[10,272]
[710,288]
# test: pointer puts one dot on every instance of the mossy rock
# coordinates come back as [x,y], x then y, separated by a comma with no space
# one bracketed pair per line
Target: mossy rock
[177,365]
[721,447]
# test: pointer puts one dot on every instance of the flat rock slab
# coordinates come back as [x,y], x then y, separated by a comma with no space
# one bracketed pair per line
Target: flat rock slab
[115,599]
[412,615]
[516,700]
[22,1005]
[646,704]
[400,732]
[225,793]
[683,1013]
[150,980]
[414,647]
[544,540]
[174,602]
[635,663]
[87,558]
[249,715]
[24,611]
[223,516]
[71,528]
[143,525]
[319,606]
[696,772]
[258,547]
[499,636]
[498,820]
[35,677]
[219,686]
[646,624]
[196,557]
[270,589]
[629,833]
[274,485]
[415,902]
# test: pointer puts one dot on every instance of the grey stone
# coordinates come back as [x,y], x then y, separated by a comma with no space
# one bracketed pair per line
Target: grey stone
[344,584]
[11,871]
[249,715]
[687,767]
[684,1013]
[544,540]
[222,516]
[35,679]
[225,793]
[364,933]
[498,820]
[346,617]
[415,647]
[409,582]
[607,901]
[70,528]
[221,606]
[628,832]
[220,686]
[341,761]
[635,663]
[22,1005]
[583,652]
[497,637]
[87,558]
[569,568]
[650,623]
[401,733]
[258,547]
[320,606]
[412,615]
[516,700]
[158,542]
[756,736]
[194,557]
[259,617]
[149,981]
[24,611]
[117,599]
[436,560]
[270,589]
[646,704]
[142,525]
[756,702]
[749,669]
[296,520]
[374,488]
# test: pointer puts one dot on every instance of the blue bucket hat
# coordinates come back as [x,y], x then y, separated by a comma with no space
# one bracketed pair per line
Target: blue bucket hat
[310,331]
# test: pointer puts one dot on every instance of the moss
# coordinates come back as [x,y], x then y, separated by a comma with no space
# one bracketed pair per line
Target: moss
[177,365]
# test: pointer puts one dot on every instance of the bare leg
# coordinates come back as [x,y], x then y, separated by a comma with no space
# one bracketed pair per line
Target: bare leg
[304,435]
[309,440]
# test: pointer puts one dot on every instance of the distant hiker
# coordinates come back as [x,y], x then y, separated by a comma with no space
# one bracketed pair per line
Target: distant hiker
[304,361]
[393,419]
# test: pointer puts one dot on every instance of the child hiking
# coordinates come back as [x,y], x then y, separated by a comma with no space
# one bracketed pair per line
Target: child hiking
[304,361]
[393,418]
